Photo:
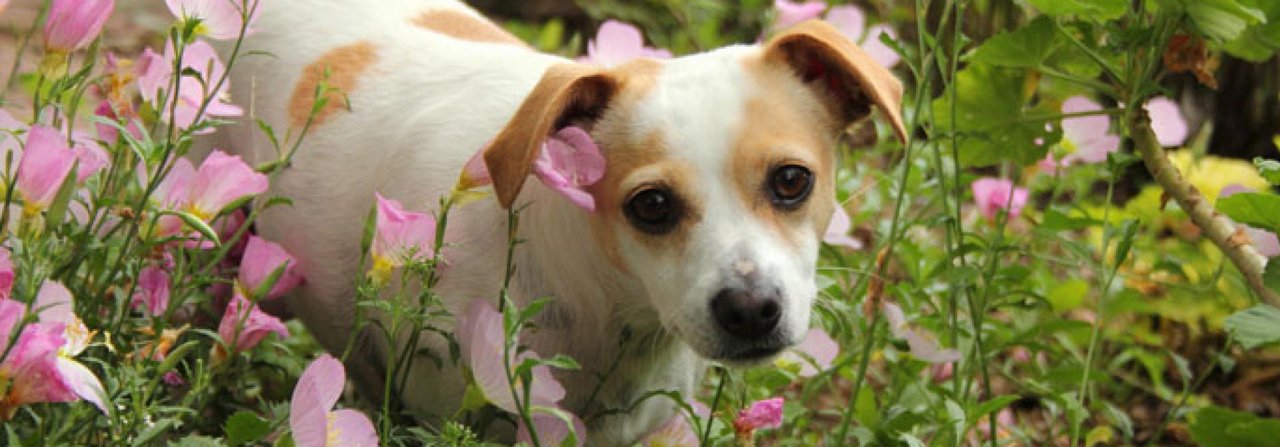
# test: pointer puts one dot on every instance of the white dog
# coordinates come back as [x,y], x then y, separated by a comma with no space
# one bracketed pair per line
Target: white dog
[703,244]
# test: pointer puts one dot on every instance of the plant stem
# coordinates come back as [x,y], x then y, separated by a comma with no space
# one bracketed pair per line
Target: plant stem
[1221,231]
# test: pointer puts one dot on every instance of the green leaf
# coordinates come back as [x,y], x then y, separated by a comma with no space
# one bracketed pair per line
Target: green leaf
[1101,434]
[1271,276]
[1219,427]
[990,118]
[1068,295]
[58,207]
[1099,10]
[1055,220]
[1251,208]
[1269,169]
[244,427]
[1256,326]
[991,406]
[197,224]
[561,361]
[865,410]
[1222,20]
[1026,47]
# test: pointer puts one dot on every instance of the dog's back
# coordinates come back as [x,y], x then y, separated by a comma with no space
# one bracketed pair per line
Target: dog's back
[421,86]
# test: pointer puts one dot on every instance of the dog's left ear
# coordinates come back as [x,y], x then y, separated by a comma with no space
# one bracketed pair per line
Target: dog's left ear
[567,94]
[848,79]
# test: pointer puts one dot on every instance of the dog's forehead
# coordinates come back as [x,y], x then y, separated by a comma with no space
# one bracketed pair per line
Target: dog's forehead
[697,103]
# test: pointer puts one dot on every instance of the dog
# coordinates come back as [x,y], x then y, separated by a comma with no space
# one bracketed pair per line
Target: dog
[718,187]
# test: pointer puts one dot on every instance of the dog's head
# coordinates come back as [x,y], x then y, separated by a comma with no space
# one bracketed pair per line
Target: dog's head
[720,175]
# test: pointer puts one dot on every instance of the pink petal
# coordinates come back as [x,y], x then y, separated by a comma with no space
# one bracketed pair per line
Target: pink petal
[849,19]
[819,346]
[481,339]
[256,326]
[54,303]
[992,194]
[152,72]
[109,133]
[220,19]
[838,230]
[675,433]
[351,428]
[552,431]
[878,50]
[73,24]
[764,414]
[569,161]
[45,164]
[9,143]
[922,344]
[617,42]
[82,382]
[221,180]
[400,235]
[1167,121]
[174,188]
[545,389]
[31,367]
[91,159]
[791,13]
[6,274]
[261,259]
[1265,242]
[475,173]
[152,291]
[11,313]
[318,389]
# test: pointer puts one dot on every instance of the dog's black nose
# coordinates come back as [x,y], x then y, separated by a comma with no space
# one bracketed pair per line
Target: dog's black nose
[747,314]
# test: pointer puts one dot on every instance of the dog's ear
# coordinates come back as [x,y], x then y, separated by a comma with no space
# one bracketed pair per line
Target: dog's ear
[567,94]
[848,78]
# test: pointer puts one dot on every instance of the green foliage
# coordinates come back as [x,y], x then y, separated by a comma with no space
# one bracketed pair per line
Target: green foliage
[991,119]
[1101,10]
[1255,326]
[1219,427]
[1261,210]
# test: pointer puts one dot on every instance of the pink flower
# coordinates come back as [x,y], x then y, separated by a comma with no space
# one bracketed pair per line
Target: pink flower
[815,353]
[569,161]
[109,133]
[1085,137]
[73,24]
[173,379]
[552,431]
[46,161]
[677,432]
[400,236]
[156,74]
[55,305]
[1167,121]
[922,344]
[851,22]
[219,19]
[617,43]
[310,418]
[838,231]
[29,372]
[261,259]
[152,291]
[791,13]
[481,338]
[764,414]
[6,273]
[221,180]
[256,325]
[1264,241]
[992,195]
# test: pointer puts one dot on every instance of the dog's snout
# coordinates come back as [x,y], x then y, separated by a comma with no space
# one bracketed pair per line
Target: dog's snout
[747,314]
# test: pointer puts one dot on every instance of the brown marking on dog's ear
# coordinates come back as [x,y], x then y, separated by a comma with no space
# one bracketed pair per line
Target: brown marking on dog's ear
[566,93]
[818,52]
[460,25]
[344,65]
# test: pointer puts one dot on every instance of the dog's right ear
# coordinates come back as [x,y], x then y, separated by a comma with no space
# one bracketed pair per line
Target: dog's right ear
[567,93]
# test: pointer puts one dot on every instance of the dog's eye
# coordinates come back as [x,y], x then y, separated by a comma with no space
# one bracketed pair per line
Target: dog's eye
[790,185]
[653,211]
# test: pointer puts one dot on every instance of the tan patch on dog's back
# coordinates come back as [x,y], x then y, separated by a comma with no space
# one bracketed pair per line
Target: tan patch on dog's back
[784,124]
[460,25]
[340,69]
